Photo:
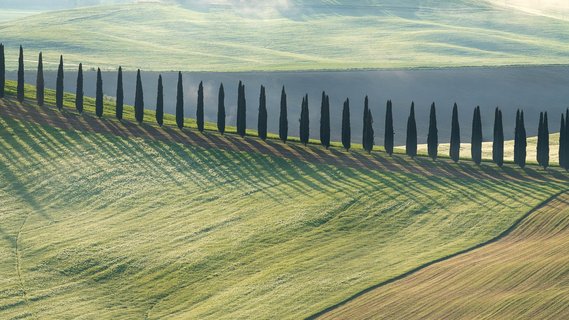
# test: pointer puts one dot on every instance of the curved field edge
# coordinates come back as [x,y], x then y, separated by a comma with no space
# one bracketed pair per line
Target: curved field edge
[522,274]
[330,310]
[125,227]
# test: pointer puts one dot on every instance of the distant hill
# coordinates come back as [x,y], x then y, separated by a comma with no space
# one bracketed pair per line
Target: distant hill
[292,35]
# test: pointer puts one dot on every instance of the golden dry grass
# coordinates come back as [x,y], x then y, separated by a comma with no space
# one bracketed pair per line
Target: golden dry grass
[522,276]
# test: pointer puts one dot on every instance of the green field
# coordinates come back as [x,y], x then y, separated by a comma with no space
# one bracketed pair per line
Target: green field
[95,225]
[307,35]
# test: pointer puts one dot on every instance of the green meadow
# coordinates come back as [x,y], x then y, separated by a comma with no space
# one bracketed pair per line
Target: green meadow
[95,225]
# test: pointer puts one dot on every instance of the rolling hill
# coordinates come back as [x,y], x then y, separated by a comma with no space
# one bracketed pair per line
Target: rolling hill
[521,276]
[109,220]
[327,35]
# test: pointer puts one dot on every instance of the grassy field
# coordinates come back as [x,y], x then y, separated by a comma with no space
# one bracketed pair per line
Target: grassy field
[99,226]
[522,276]
[327,35]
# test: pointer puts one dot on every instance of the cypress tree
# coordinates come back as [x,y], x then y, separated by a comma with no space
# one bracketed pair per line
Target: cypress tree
[99,95]
[368,133]
[40,84]
[241,111]
[120,96]
[517,140]
[283,118]
[160,102]
[20,88]
[180,102]
[539,153]
[2,71]
[59,85]
[433,135]
[199,110]
[262,118]
[411,142]
[304,122]
[346,128]
[325,121]
[523,142]
[79,90]
[455,135]
[566,144]
[139,99]
[221,109]
[545,142]
[476,139]
[562,142]
[389,132]
[498,142]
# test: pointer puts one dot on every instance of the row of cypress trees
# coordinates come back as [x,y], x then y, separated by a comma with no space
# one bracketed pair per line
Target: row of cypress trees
[368,136]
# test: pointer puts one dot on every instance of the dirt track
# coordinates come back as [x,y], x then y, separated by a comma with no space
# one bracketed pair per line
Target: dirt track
[69,120]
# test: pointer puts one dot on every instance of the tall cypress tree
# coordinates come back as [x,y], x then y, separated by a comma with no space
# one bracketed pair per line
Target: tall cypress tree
[180,102]
[283,118]
[241,111]
[99,95]
[199,110]
[325,121]
[389,132]
[523,142]
[2,71]
[304,121]
[476,140]
[160,102]
[221,109]
[59,85]
[40,84]
[346,127]
[562,142]
[543,141]
[539,153]
[411,141]
[455,135]
[20,88]
[368,133]
[120,96]
[498,142]
[566,144]
[517,141]
[79,90]
[139,99]
[433,135]
[262,118]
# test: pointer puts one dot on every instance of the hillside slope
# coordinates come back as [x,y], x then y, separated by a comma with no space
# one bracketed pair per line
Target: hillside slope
[121,226]
[522,276]
[327,35]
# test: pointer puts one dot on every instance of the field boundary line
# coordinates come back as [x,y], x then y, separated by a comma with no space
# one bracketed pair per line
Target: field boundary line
[502,235]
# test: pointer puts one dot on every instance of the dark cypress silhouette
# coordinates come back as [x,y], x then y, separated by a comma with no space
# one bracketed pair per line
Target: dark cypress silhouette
[325,121]
[368,133]
[180,102]
[221,109]
[411,141]
[241,111]
[199,109]
[562,142]
[517,141]
[262,118]
[2,71]
[543,141]
[283,118]
[99,95]
[40,84]
[476,139]
[304,121]
[20,88]
[433,135]
[160,102]
[346,128]
[59,85]
[79,90]
[389,132]
[455,135]
[139,99]
[498,142]
[566,144]
[120,96]
[523,142]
